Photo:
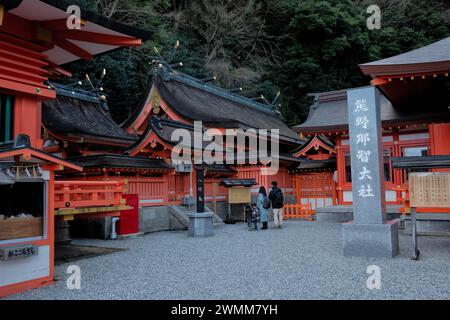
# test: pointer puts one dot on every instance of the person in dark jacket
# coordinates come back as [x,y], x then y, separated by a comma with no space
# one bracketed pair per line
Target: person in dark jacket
[277,199]
[263,208]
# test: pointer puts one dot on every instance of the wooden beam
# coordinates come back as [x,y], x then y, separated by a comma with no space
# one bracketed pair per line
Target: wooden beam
[76,211]
[4,60]
[101,38]
[29,153]
[57,69]
[73,48]
[2,12]
[26,88]
[421,162]
[14,72]
[378,81]
[23,48]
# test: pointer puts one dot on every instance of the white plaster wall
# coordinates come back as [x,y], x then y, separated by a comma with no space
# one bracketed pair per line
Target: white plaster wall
[25,269]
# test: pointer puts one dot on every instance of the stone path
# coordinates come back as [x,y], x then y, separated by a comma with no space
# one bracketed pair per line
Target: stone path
[301,261]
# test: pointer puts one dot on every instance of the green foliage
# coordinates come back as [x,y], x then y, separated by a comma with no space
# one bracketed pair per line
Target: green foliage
[407,25]
[298,47]
[329,39]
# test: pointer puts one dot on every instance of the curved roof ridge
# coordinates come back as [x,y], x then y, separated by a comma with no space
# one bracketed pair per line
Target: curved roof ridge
[419,55]
[331,115]
[80,113]
[211,88]
[434,57]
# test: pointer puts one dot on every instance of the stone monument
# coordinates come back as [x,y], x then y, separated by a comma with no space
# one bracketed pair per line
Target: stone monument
[369,234]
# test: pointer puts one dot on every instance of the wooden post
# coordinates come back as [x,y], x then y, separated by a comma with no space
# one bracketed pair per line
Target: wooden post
[8,115]
[215,191]
[200,186]
[416,251]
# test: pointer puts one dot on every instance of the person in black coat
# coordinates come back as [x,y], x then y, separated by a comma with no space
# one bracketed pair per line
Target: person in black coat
[277,199]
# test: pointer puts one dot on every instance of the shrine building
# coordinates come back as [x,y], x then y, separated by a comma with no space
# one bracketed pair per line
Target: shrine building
[68,169]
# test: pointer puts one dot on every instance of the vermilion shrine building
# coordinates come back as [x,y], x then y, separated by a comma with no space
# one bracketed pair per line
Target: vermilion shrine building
[415,122]
[34,43]
[139,151]
[405,133]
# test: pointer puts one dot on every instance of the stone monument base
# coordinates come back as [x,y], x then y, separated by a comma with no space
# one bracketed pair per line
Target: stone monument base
[200,224]
[371,240]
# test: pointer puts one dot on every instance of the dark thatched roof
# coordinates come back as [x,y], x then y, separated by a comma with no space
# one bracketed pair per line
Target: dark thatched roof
[329,113]
[163,128]
[238,182]
[220,168]
[120,161]
[200,104]
[196,100]
[309,164]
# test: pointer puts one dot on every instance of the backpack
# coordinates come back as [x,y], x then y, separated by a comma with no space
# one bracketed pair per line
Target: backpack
[266,203]
[278,200]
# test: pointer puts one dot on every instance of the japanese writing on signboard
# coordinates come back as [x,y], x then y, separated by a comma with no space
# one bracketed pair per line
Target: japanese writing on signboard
[9,253]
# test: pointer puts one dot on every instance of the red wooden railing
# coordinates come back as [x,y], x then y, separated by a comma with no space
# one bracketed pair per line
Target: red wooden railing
[298,211]
[318,189]
[81,194]
[152,191]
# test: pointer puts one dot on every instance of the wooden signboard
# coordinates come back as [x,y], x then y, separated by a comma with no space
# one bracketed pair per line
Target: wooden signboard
[429,189]
[20,228]
[239,195]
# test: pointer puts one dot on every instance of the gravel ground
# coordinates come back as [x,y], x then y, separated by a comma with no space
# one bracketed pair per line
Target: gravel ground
[301,261]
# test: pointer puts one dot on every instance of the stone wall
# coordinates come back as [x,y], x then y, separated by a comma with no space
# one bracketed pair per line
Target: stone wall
[91,228]
[153,219]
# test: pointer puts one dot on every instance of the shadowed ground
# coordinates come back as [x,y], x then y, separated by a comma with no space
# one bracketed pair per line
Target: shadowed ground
[301,261]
